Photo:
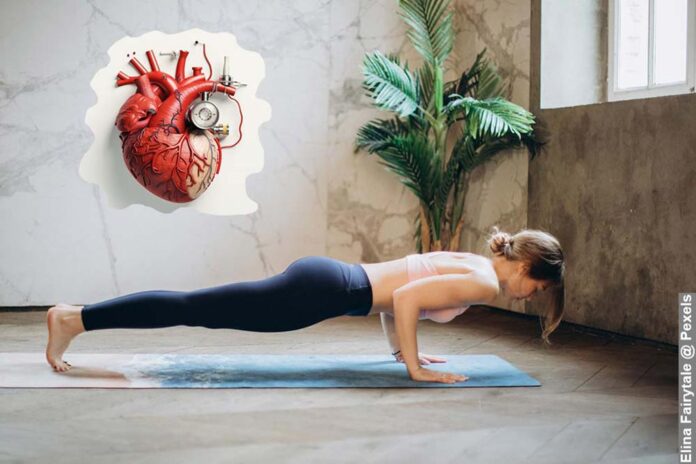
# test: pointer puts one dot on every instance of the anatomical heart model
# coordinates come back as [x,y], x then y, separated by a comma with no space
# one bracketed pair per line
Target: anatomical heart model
[172,128]
[170,158]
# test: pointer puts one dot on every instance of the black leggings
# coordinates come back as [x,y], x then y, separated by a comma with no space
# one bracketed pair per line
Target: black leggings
[310,290]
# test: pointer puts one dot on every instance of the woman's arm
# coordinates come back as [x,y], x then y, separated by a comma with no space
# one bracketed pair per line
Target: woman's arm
[389,331]
[435,292]
[406,311]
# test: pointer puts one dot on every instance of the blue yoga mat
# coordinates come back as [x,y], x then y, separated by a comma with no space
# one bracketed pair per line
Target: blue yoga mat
[317,371]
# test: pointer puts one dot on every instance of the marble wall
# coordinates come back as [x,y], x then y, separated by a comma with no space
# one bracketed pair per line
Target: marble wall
[60,242]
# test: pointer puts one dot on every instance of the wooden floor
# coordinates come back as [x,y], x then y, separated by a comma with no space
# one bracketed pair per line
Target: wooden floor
[603,399]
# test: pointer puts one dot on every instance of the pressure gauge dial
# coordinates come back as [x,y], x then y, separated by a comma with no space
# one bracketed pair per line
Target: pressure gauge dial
[204,115]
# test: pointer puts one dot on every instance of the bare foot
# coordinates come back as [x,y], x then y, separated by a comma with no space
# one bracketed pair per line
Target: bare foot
[64,323]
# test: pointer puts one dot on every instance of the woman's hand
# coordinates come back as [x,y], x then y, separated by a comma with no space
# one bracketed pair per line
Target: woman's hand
[427,375]
[423,358]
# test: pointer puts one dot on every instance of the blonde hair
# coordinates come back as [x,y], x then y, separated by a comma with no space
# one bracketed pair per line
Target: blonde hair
[543,255]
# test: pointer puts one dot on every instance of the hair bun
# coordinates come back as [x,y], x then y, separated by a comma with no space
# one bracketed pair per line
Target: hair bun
[500,242]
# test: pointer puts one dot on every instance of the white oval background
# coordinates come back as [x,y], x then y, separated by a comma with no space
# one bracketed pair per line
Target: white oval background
[103,163]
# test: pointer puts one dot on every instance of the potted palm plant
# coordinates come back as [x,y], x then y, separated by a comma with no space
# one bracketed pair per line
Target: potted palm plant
[439,131]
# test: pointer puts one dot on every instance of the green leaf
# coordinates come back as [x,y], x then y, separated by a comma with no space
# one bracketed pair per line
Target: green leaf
[480,81]
[489,83]
[410,156]
[491,117]
[469,79]
[392,86]
[431,28]
[426,81]
[460,160]
[492,147]
[378,134]
[488,148]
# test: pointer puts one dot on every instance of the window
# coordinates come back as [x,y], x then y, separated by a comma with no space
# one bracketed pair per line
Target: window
[651,48]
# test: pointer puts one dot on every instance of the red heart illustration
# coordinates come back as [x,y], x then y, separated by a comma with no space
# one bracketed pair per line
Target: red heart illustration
[166,156]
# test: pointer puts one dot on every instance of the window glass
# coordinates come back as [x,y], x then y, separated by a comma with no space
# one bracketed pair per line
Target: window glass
[670,41]
[634,22]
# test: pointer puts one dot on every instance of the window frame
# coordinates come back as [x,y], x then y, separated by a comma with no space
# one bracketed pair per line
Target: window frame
[652,90]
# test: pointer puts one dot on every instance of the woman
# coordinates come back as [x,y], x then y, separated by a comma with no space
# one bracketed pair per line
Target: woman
[438,286]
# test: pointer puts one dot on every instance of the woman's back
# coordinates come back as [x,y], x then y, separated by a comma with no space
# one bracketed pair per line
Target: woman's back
[387,276]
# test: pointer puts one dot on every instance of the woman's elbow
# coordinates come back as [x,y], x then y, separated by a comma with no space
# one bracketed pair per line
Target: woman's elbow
[403,302]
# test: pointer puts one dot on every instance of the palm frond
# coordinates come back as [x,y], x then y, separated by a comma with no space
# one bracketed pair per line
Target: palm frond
[481,81]
[431,28]
[490,83]
[410,157]
[491,117]
[461,159]
[536,140]
[392,86]
[426,77]
[468,81]
[377,134]
[492,147]
[467,153]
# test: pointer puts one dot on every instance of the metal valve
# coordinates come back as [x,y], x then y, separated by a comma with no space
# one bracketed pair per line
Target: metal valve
[226,78]
[221,130]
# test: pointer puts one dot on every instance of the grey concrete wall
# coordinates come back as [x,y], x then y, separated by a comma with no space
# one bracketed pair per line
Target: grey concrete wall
[616,187]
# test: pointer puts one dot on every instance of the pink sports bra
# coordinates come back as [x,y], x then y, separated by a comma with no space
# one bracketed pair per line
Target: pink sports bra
[419,266]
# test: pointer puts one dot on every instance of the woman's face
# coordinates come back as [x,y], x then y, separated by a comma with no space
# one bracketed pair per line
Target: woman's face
[522,287]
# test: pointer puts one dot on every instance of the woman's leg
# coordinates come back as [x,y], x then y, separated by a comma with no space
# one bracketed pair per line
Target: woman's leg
[310,290]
